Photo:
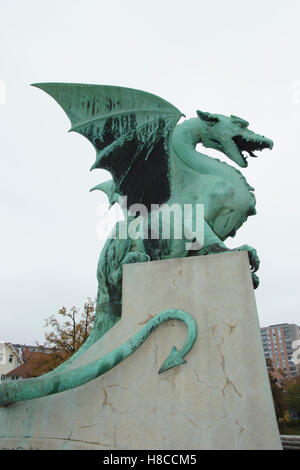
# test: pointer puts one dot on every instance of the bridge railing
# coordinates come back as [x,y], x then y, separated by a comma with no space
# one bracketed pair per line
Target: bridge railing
[290,442]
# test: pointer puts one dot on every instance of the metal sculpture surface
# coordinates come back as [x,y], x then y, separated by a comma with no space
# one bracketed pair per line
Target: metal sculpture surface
[155,165]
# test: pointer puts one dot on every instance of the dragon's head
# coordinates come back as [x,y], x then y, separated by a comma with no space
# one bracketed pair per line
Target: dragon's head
[231,136]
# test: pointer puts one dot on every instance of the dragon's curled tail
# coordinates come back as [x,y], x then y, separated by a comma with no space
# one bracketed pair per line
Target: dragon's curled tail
[28,389]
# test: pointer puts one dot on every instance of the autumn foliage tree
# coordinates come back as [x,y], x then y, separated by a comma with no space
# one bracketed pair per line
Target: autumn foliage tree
[292,395]
[278,397]
[70,328]
[68,331]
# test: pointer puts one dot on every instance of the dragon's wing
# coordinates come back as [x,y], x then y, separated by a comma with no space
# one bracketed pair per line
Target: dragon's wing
[130,130]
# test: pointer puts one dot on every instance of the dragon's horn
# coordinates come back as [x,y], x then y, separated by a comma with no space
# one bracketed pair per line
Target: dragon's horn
[207,116]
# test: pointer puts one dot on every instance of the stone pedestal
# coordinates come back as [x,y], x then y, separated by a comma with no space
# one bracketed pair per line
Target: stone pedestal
[220,399]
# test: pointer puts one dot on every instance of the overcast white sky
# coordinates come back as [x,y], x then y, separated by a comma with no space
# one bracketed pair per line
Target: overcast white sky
[228,57]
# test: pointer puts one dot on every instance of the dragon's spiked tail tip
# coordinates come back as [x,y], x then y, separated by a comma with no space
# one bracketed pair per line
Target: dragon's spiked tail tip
[174,359]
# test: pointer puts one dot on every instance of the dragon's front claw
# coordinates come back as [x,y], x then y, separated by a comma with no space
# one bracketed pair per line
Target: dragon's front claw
[253,257]
[255,280]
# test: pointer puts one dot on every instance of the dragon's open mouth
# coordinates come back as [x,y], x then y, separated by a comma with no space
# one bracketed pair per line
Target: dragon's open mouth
[250,144]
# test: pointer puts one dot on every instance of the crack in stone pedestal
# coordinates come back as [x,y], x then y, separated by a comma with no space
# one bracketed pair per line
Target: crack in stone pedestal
[213,387]
[242,429]
[231,327]
[216,421]
[222,364]
[105,401]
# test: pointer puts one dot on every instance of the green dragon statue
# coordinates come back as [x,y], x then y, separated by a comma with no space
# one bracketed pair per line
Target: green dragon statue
[154,164]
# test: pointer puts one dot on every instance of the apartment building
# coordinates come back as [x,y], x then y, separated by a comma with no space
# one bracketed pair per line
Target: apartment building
[277,342]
